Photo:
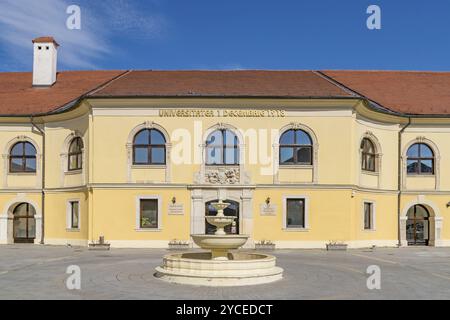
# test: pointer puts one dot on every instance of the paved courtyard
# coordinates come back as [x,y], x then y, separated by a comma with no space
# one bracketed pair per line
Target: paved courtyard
[38,272]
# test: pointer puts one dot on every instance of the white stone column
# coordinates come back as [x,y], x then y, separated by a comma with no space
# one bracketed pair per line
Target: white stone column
[403,240]
[3,229]
[247,217]
[168,176]
[198,212]
[276,162]
[438,221]
[38,220]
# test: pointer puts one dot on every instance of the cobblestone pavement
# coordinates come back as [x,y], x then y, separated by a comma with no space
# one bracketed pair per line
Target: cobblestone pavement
[38,272]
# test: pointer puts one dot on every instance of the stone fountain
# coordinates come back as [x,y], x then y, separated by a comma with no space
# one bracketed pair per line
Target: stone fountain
[219,266]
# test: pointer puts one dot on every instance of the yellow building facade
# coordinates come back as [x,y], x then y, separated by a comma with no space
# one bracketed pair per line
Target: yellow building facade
[303,157]
[340,200]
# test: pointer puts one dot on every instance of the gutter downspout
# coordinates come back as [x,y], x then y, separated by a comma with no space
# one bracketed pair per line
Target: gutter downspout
[399,180]
[43,178]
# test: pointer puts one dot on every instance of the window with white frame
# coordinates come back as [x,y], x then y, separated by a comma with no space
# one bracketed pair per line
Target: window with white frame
[148,214]
[368,216]
[74,215]
[75,155]
[295,213]
[296,148]
[368,155]
[222,148]
[22,157]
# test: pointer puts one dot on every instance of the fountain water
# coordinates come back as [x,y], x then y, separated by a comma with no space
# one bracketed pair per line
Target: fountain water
[219,267]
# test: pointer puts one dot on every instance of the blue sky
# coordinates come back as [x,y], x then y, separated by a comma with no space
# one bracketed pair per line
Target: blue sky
[230,34]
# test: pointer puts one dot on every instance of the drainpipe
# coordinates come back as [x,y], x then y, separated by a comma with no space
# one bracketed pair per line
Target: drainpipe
[399,179]
[43,177]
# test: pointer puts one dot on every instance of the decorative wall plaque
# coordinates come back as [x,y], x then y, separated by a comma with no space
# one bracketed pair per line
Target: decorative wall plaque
[268,209]
[176,208]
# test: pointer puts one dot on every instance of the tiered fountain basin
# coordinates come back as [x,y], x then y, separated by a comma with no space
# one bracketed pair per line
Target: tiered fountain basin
[219,267]
[219,244]
[198,268]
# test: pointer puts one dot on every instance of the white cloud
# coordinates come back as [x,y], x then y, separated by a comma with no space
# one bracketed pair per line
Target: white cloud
[129,19]
[23,20]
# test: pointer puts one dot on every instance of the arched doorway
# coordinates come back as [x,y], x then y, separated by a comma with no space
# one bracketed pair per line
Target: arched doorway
[232,210]
[418,226]
[24,223]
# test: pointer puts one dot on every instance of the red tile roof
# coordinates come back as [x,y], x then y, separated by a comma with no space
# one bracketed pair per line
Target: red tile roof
[409,92]
[418,93]
[45,40]
[19,97]
[222,83]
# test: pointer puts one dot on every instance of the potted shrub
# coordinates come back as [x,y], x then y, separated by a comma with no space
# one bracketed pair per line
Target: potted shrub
[264,245]
[99,245]
[336,245]
[178,245]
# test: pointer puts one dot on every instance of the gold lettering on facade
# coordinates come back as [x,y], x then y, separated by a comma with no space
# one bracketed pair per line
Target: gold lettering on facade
[202,113]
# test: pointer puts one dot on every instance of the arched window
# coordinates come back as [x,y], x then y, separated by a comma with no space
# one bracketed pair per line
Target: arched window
[420,159]
[76,154]
[296,148]
[24,223]
[368,155]
[22,157]
[417,225]
[222,148]
[149,147]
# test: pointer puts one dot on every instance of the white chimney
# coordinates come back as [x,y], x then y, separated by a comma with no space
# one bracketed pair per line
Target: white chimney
[45,51]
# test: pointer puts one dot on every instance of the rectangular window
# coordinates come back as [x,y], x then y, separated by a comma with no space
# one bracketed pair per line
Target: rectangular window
[158,155]
[141,155]
[368,215]
[286,155]
[295,215]
[213,155]
[74,214]
[368,162]
[304,155]
[148,218]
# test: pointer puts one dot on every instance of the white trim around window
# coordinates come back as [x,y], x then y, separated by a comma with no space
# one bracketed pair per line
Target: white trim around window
[69,215]
[138,213]
[373,215]
[306,204]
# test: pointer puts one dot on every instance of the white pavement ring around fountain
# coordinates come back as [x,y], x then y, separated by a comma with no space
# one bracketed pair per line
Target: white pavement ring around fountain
[219,267]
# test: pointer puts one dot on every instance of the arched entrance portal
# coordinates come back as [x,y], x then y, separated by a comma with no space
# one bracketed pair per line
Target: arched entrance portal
[232,210]
[418,226]
[24,223]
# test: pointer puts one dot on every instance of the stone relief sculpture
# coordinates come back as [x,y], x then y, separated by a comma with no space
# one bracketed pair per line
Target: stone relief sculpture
[222,176]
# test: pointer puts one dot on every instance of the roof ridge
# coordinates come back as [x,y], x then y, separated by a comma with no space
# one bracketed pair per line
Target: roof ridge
[353,92]
[338,84]
[73,102]
[107,83]
[386,71]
